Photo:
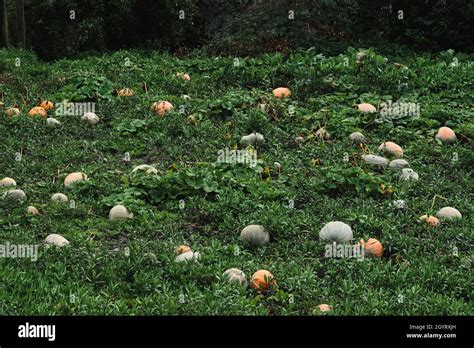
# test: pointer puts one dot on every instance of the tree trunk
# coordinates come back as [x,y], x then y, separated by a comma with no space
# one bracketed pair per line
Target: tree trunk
[20,14]
[4,18]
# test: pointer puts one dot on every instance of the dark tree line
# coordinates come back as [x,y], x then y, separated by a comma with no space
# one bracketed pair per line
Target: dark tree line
[56,28]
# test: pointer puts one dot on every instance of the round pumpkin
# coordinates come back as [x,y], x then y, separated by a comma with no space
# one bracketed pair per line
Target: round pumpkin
[392,149]
[59,198]
[32,210]
[252,139]
[449,213]
[336,231]
[262,280]
[47,105]
[375,160]
[281,92]
[398,164]
[15,195]
[12,112]
[366,107]
[255,235]
[161,108]
[446,135]
[38,111]
[74,178]
[56,239]
[6,182]
[373,248]
[430,220]
[90,118]
[119,212]
[324,307]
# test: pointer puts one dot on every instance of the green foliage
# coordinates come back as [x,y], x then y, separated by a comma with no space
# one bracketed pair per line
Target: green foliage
[196,200]
[84,86]
[352,179]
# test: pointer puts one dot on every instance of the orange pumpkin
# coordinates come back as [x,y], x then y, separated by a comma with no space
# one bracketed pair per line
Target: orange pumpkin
[373,248]
[12,111]
[38,111]
[430,220]
[392,148]
[262,280]
[184,76]
[281,92]
[73,178]
[182,249]
[446,135]
[47,105]
[324,308]
[366,107]
[161,108]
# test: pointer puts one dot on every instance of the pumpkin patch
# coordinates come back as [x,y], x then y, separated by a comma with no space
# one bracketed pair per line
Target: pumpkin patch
[208,187]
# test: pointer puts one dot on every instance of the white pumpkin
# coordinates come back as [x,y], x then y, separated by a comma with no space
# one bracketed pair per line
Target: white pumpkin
[409,174]
[188,256]
[6,182]
[90,118]
[336,231]
[145,168]
[32,210]
[255,235]
[52,122]
[16,195]
[398,164]
[449,213]
[59,198]
[399,204]
[235,275]
[119,212]
[375,160]
[56,239]
[357,138]
[252,139]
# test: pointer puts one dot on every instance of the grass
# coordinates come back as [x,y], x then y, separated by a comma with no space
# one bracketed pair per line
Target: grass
[128,268]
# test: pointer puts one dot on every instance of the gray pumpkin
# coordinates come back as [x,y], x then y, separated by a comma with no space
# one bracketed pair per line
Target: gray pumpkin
[255,235]
[336,231]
